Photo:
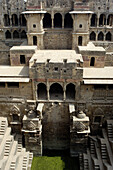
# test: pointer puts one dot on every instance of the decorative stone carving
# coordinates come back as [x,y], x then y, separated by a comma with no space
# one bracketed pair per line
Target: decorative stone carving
[15,110]
[81,115]
[31,113]
[79,126]
[31,126]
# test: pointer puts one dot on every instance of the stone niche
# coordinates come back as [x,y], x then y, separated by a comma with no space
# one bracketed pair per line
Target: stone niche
[79,130]
[32,130]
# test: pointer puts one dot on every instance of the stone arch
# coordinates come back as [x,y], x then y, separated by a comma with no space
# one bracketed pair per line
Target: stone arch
[34,40]
[94,20]
[56,92]
[15,113]
[42,91]
[23,34]
[6,20]
[108,36]
[15,34]
[58,20]
[110,20]
[70,91]
[68,21]
[14,20]
[98,116]
[92,61]
[8,34]
[47,21]
[98,111]
[93,36]
[102,20]
[101,36]
[22,20]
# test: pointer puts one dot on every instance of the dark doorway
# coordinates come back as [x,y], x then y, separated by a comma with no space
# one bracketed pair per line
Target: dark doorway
[6,20]
[68,21]
[42,92]
[56,92]
[22,59]
[15,34]
[110,20]
[7,34]
[14,20]
[102,20]
[80,40]
[34,40]
[94,20]
[70,92]
[22,20]
[108,36]
[92,62]
[47,22]
[23,34]
[101,36]
[93,36]
[58,20]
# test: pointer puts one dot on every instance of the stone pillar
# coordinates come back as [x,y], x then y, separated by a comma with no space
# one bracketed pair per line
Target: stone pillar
[96,36]
[36,92]
[64,89]
[63,21]
[11,34]
[74,39]
[48,95]
[10,20]
[52,23]
[104,37]
[111,37]
[97,21]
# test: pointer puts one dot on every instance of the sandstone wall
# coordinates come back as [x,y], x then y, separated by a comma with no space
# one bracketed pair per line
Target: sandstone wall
[58,40]
[24,91]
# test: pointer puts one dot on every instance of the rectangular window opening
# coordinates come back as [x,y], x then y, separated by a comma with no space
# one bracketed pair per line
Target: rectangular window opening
[2,84]
[99,86]
[13,85]
[97,119]
[56,68]
[110,87]
[22,59]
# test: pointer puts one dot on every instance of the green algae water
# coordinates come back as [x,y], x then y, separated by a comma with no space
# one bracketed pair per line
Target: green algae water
[55,163]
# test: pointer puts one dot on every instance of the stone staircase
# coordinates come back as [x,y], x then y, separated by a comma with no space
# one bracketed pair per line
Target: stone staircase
[110,129]
[12,155]
[100,154]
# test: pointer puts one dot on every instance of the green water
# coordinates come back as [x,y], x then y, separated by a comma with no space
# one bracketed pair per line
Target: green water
[55,163]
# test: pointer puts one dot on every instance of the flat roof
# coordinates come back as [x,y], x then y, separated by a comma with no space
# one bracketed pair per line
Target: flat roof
[23,48]
[14,71]
[34,12]
[95,81]
[91,47]
[81,12]
[98,73]
[8,79]
[56,56]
